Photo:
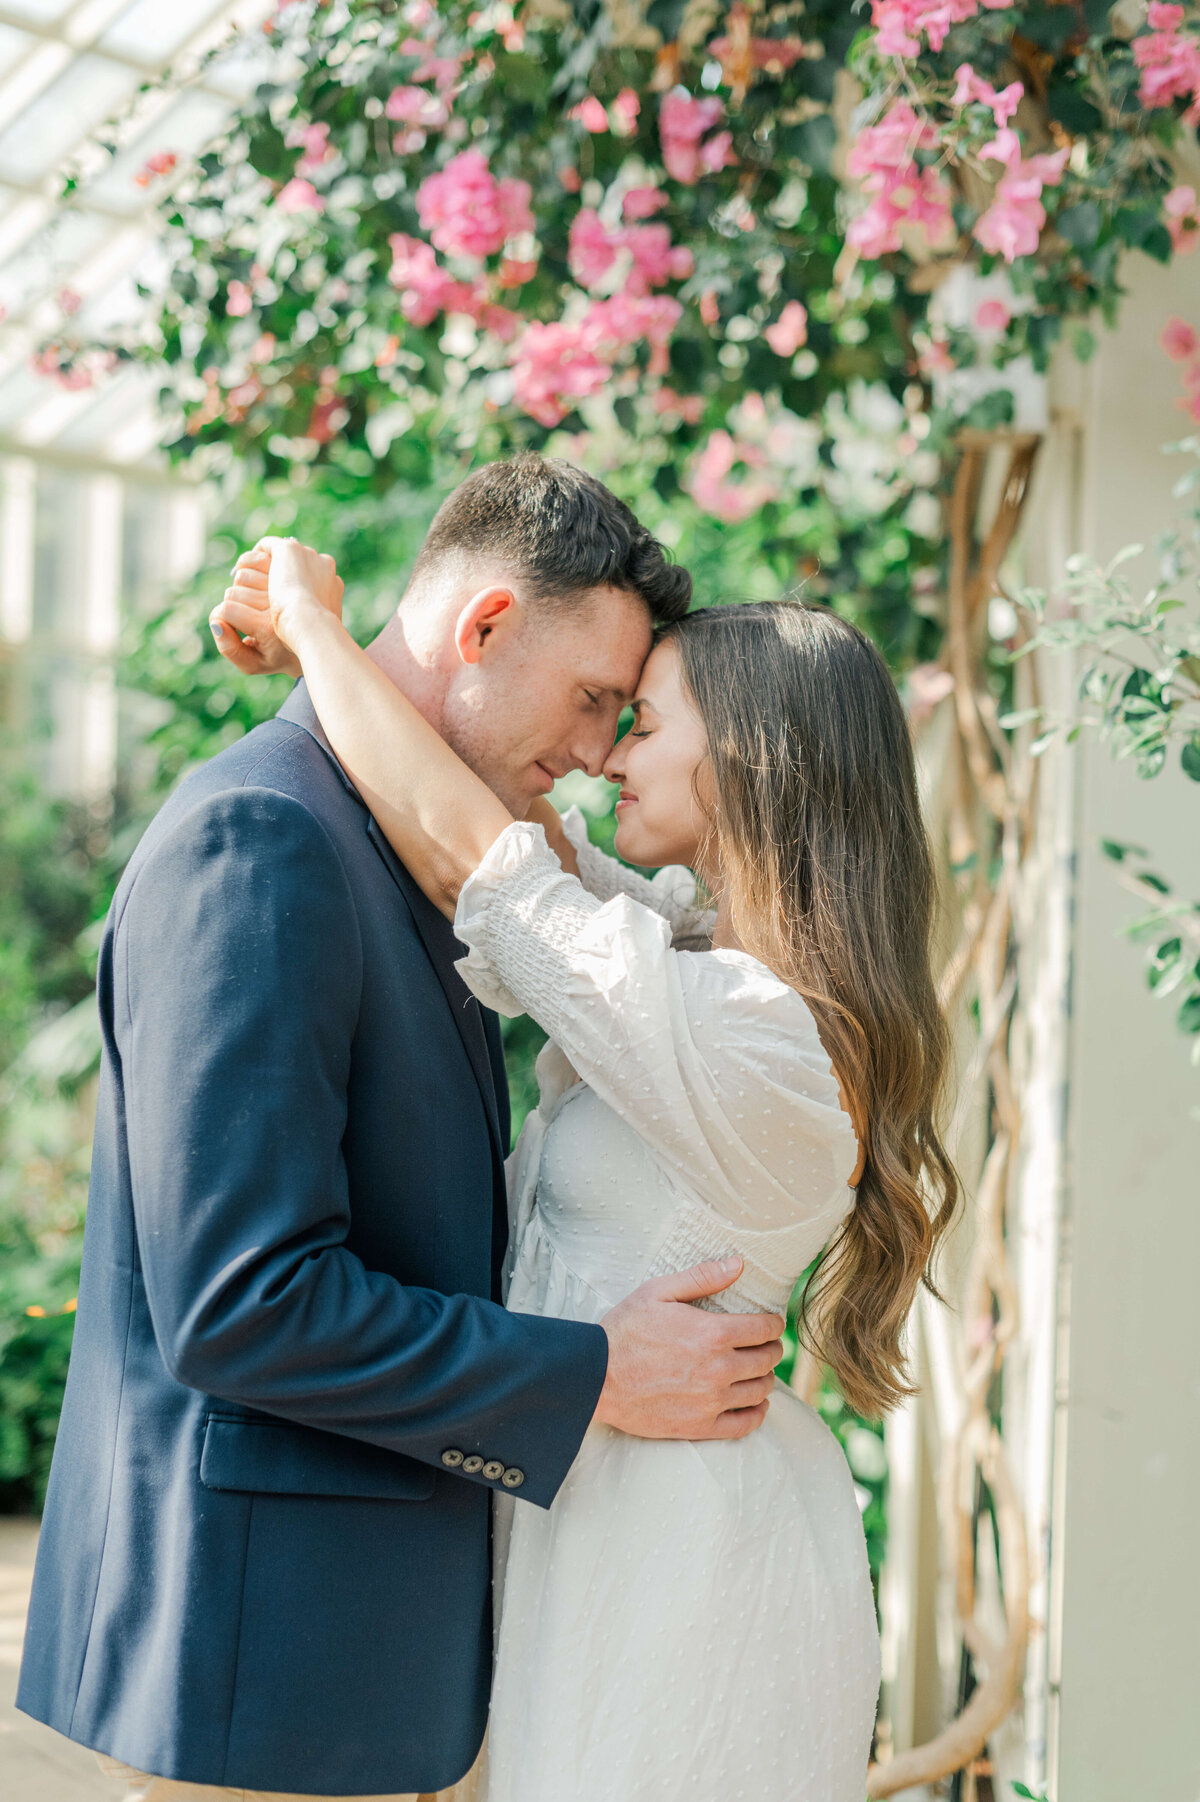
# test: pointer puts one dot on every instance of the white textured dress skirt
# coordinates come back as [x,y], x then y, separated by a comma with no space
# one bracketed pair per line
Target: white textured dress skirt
[688,1619]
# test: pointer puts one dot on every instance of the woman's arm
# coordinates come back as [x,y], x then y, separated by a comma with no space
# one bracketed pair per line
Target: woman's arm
[439,817]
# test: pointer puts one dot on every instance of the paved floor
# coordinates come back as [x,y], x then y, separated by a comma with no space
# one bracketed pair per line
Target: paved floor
[36,1765]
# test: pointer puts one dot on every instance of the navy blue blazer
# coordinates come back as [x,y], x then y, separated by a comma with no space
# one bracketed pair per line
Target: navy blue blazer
[265,1558]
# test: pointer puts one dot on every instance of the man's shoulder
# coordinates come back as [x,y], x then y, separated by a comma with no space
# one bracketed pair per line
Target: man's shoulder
[277,772]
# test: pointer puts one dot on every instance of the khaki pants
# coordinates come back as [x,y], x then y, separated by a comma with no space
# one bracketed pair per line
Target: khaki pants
[144,1788]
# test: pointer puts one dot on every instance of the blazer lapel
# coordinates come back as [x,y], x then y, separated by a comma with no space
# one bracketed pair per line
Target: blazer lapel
[437,935]
[444,950]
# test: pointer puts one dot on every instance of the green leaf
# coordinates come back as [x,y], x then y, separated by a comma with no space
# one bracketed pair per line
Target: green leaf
[1157,883]
[1188,1017]
[1112,847]
[666,16]
[1022,717]
[1157,244]
[1189,757]
[1079,224]
[811,142]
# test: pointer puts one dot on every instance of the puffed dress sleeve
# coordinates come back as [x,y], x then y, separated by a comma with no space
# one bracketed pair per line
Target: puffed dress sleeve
[671,893]
[712,1060]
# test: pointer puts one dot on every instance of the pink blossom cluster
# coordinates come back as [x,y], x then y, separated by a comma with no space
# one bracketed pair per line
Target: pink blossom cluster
[682,124]
[1012,224]
[900,23]
[161,163]
[1181,344]
[776,54]
[426,289]
[970,86]
[789,331]
[712,487]
[558,364]
[70,370]
[621,118]
[1169,61]
[901,193]
[593,248]
[313,139]
[1183,219]
[299,196]
[418,107]
[467,212]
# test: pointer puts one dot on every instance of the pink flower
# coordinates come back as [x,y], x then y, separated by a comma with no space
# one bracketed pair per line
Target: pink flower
[710,307]
[425,287]
[1178,339]
[515,272]
[642,203]
[467,212]
[591,114]
[973,87]
[789,331]
[553,369]
[415,106]
[991,316]
[315,140]
[655,259]
[238,300]
[682,123]
[161,163]
[591,248]
[570,179]
[299,196]
[1183,219]
[898,23]
[711,488]
[935,359]
[626,108]
[901,193]
[1013,223]
[689,407]
[1170,64]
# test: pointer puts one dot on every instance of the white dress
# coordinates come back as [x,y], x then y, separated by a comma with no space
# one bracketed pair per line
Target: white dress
[688,1619]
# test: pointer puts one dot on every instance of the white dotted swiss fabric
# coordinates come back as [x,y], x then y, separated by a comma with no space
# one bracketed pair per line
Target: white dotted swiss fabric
[686,1619]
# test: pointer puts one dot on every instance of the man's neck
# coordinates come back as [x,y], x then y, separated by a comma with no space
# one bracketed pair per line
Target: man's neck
[411,667]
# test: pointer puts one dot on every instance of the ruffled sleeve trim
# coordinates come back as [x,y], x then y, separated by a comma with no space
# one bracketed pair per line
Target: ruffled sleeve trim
[517,861]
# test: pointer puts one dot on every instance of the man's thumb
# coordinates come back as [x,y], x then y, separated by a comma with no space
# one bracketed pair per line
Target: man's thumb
[708,1278]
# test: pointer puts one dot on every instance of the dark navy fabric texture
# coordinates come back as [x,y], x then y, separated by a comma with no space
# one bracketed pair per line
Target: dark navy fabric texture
[255,1569]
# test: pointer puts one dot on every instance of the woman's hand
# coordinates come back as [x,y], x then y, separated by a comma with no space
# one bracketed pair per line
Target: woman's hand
[279,590]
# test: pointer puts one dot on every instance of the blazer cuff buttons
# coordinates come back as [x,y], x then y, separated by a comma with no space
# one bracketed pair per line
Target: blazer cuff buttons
[493,1469]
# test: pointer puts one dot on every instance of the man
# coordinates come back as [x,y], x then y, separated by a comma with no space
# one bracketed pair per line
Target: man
[265,1558]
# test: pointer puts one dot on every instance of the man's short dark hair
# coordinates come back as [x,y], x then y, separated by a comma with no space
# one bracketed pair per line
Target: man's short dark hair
[559,529]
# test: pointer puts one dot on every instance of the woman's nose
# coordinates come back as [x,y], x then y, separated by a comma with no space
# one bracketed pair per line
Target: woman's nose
[614,765]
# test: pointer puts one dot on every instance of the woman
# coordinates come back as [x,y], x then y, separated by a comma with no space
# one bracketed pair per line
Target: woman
[691,1618]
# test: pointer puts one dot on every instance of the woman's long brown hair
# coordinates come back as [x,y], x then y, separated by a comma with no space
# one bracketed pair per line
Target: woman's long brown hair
[824,857]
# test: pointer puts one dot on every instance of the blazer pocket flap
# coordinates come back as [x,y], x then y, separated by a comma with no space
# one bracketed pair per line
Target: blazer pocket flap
[280,1458]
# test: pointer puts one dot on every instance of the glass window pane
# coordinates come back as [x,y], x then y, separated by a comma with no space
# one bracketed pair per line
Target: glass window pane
[150,30]
[13,44]
[87,93]
[42,12]
[58,557]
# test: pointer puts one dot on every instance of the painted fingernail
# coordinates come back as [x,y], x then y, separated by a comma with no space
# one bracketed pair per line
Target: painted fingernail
[218,628]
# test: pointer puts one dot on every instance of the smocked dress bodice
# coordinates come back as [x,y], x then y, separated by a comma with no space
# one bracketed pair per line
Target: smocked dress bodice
[687,1619]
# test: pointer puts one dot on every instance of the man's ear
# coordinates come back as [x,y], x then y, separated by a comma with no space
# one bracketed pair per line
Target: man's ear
[485,611]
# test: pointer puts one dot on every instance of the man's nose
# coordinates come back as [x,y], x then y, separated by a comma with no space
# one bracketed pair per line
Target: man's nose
[591,752]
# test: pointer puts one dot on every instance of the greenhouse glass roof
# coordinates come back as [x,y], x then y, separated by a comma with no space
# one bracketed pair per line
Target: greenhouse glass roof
[71,70]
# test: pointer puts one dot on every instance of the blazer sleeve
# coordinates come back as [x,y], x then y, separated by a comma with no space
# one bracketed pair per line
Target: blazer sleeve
[238,974]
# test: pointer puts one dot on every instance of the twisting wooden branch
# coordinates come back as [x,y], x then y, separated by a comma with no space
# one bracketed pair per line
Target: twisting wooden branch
[988,828]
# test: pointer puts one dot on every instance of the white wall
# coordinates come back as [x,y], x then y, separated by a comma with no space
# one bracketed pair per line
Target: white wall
[1126,1642]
